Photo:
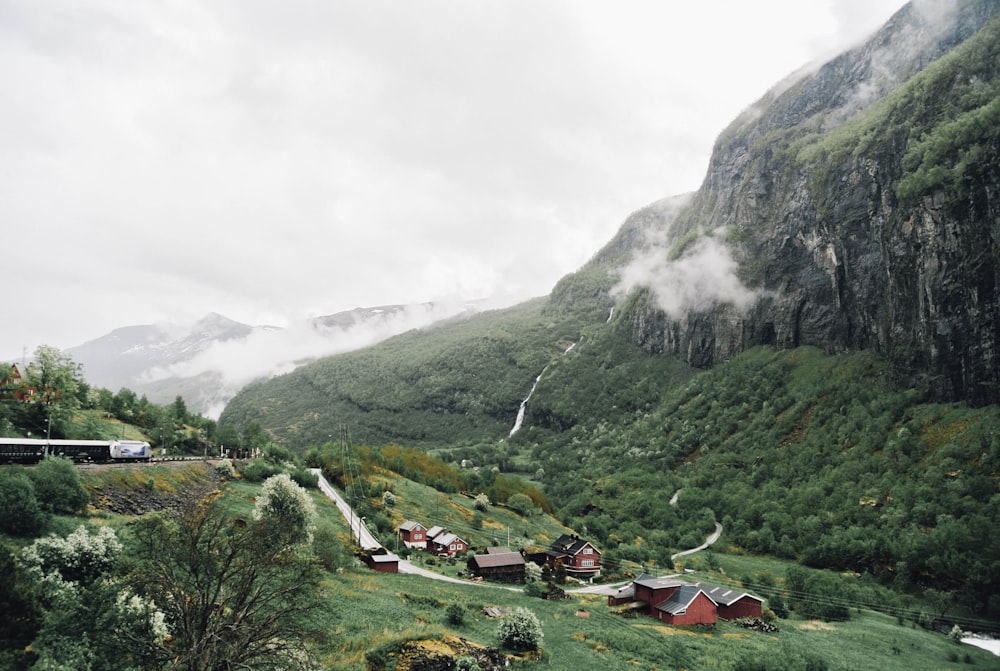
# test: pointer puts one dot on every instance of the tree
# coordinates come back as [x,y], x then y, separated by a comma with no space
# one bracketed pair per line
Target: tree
[56,379]
[20,514]
[233,597]
[58,487]
[22,615]
[286,509]
[520,630]
[521,504]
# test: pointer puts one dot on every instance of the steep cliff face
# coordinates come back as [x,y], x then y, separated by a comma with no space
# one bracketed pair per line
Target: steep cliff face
[859,206]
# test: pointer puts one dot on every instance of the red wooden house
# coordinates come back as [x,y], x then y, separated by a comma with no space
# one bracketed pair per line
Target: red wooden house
[579,557]
[382,563]
[676,602]
[688,604]
[733,604]
[447,544]
[413,534]
[505,566]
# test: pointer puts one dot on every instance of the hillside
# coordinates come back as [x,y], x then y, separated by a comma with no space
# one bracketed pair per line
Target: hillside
[806,348]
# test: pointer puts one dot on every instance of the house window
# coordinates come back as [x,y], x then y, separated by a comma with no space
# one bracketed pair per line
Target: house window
[453,547]
[588,551]
[587,563]
[417,536]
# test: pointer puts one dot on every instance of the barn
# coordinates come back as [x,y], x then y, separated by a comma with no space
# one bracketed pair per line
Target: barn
[381,563]
[687,605]
[503,566]
[733,604]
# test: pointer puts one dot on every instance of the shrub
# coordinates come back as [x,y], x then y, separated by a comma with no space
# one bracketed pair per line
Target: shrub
[20,514]
[466,664]
[288,508]
[57,486]
[258,471]
[481,503]
[520,630]
[225,469]
[455,615]
[388,499]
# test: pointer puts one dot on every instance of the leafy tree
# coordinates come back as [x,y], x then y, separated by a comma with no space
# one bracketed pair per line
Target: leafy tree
[58,487]
[55,377]
[521,504]
[519,630]
[287,509]
[20,514]
[22,615]
[233,597]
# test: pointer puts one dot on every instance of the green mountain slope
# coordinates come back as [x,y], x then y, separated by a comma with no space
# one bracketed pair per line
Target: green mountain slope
[859,203]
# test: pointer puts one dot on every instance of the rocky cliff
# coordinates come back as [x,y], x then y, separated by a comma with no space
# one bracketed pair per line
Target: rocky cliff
[856,205]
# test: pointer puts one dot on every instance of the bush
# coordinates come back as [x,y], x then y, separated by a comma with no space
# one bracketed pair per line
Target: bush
[20,514]
[455,615]
[258,471]
[288,508]
[520,630]
[225,469]
[57,486]
[466,664]
[482,502]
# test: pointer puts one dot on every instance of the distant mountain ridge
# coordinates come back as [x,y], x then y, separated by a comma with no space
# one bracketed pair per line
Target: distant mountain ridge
[163,361]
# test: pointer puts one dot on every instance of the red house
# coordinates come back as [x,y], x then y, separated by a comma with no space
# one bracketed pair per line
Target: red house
[413,534]
[688,604]
[579,557]
[676,602]
[447,544]
[733,604]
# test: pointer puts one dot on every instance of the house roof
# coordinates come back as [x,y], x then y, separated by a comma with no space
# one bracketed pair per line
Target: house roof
[649,581]
[569,544]
[679,601]
[724,596]
[435,531]
[498,560]
[384,559]
[410,525]
[446,538]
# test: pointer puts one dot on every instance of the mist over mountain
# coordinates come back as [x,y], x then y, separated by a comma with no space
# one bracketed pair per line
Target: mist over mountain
[209,361]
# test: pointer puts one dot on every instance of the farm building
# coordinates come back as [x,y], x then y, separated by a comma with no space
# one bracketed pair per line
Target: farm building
[382,563]
[498,564]
[447,544]
[674,601]
[578,557]
[413,534]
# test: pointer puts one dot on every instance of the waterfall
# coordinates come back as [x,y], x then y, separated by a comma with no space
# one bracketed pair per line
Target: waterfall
[524,404]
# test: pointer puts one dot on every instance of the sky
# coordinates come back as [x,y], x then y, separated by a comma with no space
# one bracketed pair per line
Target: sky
[273,162]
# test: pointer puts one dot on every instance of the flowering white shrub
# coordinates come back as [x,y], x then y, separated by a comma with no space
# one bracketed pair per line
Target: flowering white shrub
[79,558]
[288,506]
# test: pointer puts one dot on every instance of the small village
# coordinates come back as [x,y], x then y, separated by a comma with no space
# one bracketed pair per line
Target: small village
[667,599]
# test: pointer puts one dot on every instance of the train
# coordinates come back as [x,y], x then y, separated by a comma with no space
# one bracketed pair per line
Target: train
[33,450]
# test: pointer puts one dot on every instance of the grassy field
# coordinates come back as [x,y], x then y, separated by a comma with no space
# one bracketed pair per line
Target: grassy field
[369,615]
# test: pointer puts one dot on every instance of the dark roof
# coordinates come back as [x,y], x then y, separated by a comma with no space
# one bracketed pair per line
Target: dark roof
[724,596]
[680,600]
[499,559]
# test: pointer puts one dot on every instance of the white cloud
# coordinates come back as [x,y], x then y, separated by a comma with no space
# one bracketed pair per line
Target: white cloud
[274,160]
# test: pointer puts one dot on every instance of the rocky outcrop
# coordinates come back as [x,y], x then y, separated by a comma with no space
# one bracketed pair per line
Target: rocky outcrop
[859,204]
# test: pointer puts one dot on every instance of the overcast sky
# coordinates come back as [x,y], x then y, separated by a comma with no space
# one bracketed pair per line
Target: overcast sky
[273,161]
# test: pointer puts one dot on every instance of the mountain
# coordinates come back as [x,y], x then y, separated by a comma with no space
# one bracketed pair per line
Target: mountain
[857,205]
[805,348]
[208,361]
